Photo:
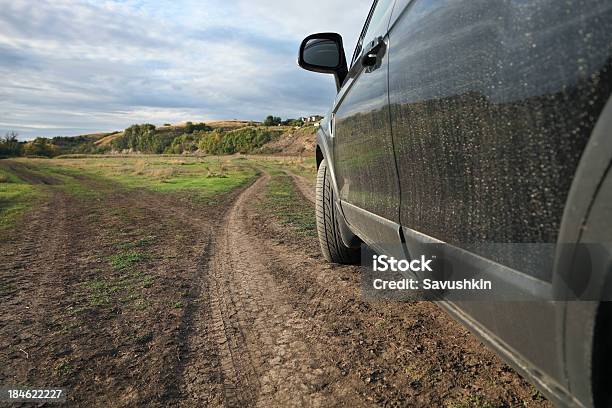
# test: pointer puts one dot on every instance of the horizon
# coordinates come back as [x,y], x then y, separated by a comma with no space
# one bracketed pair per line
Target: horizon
[87,67]
[157,125]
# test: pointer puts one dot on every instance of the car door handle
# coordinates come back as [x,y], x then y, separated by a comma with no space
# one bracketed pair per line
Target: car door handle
[370,56]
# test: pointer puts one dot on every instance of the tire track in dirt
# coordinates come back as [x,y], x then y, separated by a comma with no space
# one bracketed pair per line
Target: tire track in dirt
[265,354]
[304,186]
[27,174]
[57,249]
[45,245]
[294,330]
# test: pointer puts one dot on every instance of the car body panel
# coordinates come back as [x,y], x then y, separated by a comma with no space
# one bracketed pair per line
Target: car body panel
[492,107]
[559,395]
[363,149]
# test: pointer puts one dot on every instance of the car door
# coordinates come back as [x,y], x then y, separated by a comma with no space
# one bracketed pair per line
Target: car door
[363,149]
[492,104]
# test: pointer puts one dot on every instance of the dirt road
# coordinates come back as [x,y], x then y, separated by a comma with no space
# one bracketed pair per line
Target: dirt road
[304,186]
[219,305]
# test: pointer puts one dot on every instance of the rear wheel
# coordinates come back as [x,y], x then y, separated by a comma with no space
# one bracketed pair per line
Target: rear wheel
[328,230]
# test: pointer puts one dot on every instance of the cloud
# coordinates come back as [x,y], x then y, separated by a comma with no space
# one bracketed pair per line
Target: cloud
[296,19]
[70,68]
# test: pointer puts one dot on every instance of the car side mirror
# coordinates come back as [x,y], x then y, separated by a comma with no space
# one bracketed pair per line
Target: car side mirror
[323,52]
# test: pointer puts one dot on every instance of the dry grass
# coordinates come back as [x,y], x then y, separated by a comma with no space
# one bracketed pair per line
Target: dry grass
[139,167]
[106,140]
[228,124]
[220,170]
[163,173]
[143,168]
[177,162]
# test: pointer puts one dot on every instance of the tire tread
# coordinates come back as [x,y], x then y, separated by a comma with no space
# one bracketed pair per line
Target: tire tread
[332,247]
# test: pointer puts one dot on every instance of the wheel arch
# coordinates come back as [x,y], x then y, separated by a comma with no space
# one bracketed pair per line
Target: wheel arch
[323,151]
[318,156]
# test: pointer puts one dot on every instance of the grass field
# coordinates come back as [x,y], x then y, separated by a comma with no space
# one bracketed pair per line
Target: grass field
[303,166]
[16,196]
[206,176]
[23,181]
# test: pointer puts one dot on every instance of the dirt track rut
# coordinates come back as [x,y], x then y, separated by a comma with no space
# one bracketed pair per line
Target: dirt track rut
[265,357]
[304,186]
[291,330]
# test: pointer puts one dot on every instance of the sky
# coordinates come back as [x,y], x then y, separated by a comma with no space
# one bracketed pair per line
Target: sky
[76,67]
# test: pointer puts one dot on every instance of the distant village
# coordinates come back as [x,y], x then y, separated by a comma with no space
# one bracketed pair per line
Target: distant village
[314,119]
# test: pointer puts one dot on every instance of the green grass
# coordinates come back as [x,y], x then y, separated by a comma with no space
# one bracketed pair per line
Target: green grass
[127,259]
[302,166]
[125,288]
[285,203]
[142,242]
[204,177]
[64,368]
[65,179]
[69,180]
[16,197]
[91,177]
[129,280]
[101,292]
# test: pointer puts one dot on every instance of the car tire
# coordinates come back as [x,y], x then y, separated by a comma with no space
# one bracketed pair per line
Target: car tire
[332,247]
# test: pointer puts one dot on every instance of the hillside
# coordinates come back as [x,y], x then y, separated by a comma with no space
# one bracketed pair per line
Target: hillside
[223,125]
[294,142]
[107,139]
[215,137]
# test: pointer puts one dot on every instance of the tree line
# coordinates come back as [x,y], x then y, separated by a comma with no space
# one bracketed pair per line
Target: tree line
[146,138]
[275,121]
[10,146]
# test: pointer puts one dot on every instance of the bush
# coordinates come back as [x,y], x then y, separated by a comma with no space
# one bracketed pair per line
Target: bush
[190,127]
[295,122]
[78,144]
[184,143]
[146,139]
[272,121]
[143,138]
[41,147]
[10,146]
[245,140]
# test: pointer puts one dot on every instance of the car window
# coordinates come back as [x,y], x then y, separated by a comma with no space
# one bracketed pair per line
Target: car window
[375,25]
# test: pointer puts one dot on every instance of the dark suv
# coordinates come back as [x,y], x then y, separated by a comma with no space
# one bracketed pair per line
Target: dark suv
[471,121]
